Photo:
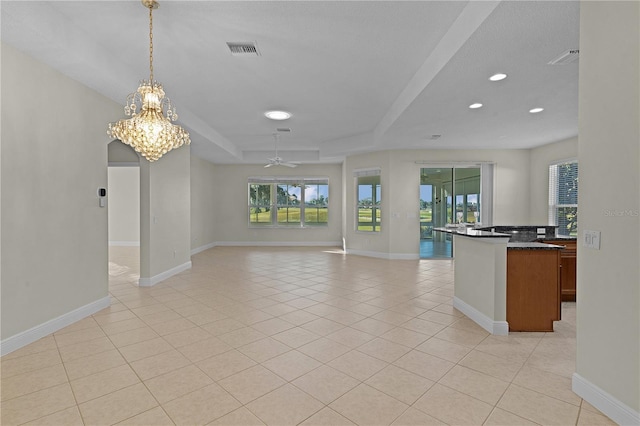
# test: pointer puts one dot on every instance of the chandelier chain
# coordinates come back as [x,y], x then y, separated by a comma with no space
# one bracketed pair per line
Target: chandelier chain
[151,44]
[149,130]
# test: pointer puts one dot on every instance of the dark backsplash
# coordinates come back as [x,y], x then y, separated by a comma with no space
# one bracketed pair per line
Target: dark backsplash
[524,233]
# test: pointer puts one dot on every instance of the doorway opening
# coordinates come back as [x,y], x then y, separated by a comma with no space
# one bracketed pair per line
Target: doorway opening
[448,195]
[123,211]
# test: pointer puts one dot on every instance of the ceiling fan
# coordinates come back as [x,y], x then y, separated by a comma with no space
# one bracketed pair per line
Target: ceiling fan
[278,161]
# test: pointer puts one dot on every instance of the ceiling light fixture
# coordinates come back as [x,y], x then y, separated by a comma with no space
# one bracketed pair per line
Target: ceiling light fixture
[498,77]
[476,105]
[277,115]
[536,110]
[148,131]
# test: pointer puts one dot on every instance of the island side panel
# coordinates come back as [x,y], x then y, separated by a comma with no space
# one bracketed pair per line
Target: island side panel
[481,281]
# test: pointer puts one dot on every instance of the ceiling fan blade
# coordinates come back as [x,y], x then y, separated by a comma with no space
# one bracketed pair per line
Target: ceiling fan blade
[268,165]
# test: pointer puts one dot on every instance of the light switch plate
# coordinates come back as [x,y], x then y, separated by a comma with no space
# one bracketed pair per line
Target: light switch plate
[591,239]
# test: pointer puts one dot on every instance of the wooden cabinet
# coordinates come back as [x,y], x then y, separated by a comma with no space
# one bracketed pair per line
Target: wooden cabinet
[533,289]
[567,268]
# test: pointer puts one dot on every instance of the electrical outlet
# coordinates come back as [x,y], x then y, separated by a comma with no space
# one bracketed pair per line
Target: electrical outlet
[591,239]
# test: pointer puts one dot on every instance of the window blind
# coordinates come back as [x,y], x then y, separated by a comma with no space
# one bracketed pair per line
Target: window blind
[563,196]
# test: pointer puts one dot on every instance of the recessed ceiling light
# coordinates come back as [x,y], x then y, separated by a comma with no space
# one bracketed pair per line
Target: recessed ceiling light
[476,105]
[536,110]
[498,77]
[277,115]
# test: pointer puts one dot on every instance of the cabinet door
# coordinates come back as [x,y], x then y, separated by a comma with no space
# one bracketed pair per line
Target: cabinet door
[568,272]
[567,269]
[533,289]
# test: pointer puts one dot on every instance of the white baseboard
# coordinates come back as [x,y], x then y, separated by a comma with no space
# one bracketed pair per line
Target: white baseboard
[605,402]
[125,243]
[278,243]
[202,248]
[499,328]
[404,256]
[24,338]
[380,255]
[148,282]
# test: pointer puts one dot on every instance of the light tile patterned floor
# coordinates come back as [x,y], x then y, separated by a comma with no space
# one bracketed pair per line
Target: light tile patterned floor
[286,336]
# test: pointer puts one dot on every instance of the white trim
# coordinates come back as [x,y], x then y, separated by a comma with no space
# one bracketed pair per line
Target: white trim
[368,171]
[564,161]
[24,338]
[379,255]
[488,184]
[404,256]
[288,179]
[202,248]
[123,163]
[124,243]
[605,402]
[278,243]
[499,328]
[375,254]
[148,282]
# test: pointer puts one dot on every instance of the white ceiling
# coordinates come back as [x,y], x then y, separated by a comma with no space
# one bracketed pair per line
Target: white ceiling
[358,76]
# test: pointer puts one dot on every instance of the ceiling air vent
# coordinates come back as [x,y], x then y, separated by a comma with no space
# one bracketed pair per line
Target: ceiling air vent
[566,57]
[243,48]
[283,129]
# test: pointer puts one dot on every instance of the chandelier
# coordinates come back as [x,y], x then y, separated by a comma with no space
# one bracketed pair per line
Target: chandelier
[149,130]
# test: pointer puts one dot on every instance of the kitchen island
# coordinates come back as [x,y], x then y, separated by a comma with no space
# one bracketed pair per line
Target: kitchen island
[505,286]
[548,234]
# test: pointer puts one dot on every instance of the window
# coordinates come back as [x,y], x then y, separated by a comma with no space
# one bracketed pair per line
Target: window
[259,203]
[288,206]
[288,202]
[369,198]
[563,197]
[316,207]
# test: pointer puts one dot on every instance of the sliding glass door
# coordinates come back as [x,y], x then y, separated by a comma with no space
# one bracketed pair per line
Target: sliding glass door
[448,195]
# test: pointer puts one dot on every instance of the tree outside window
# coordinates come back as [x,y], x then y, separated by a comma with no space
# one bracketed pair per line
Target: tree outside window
[563,197]
[369,202]
[285,203]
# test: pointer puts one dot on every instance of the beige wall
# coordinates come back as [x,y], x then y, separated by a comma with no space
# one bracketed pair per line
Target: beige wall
[54,159]
[120,154]
[368,242]
[541,158]
[203,203]
[400,174]
[232,203]
[123,202]
[608,323]
[165,206]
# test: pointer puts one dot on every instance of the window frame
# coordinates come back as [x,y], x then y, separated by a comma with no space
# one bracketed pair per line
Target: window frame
[276,205]
[376,201]
[554,193]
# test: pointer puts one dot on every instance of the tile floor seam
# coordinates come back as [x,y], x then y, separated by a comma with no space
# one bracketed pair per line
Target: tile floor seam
[68,382]
[140,381]
[517,415]
[66,372]
[394,294]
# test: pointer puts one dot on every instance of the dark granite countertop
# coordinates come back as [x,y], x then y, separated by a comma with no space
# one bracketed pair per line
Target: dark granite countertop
[474,233]
[528,233]
[519,226]
[558,238]
[533,246]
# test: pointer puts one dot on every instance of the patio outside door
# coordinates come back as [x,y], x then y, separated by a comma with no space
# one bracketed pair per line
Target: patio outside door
[447,195]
